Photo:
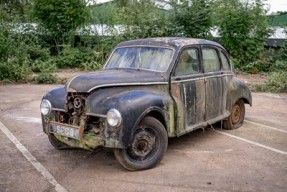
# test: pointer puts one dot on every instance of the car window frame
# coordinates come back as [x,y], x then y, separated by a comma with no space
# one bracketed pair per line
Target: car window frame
[197,47]
[218,56]
[137,46]
[228,60]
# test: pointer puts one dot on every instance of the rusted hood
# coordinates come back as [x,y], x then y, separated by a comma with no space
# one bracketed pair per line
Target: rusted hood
[108,78]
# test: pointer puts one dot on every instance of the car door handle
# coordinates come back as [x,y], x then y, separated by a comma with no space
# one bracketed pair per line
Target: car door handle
[177,79]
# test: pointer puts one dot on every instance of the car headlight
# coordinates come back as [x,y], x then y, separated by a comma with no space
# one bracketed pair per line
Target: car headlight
[114,118]
[45,107]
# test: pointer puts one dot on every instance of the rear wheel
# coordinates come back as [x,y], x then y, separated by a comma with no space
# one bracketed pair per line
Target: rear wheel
[57,144]
[147,148]
[236,118]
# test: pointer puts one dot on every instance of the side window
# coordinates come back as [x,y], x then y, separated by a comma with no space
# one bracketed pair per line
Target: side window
[225,61]
[188,62]
[210,59]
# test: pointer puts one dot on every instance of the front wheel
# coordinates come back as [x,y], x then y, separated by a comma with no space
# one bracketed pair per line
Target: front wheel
[236,118]
[147,148]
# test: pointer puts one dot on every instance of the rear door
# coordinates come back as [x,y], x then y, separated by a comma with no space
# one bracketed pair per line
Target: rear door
[215,84]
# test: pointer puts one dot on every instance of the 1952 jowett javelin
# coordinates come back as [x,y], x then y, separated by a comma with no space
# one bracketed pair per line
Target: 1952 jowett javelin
[148,90]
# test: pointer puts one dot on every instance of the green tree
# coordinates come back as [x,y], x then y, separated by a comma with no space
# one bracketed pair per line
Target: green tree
[191,18]
[104,14]
[123,3]
[243,28]
[142,19]
[61,17]
[15,10]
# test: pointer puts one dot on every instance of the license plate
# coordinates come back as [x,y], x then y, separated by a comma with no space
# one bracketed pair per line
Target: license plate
[62,129]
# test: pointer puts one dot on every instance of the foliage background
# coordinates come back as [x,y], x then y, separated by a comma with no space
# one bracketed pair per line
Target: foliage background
[41,36]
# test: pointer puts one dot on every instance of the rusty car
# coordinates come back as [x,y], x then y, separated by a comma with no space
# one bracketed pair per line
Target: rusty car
[149,90]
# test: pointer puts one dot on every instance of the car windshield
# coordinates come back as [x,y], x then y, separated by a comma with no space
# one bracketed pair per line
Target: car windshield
[149,58]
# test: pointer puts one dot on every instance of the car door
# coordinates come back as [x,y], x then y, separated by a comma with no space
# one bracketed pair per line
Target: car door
[188,90]
[215,84]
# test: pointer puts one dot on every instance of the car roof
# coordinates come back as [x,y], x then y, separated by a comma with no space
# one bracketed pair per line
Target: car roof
[172,42]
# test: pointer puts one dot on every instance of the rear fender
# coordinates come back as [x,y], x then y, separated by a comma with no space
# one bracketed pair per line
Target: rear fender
[238,90]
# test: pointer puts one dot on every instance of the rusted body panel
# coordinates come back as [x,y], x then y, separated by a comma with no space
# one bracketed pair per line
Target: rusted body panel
[180,104]
[135,102]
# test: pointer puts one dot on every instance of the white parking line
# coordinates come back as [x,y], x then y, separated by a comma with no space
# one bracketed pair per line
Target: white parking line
[253,143]
[40,168]
[26,119]
[266,126]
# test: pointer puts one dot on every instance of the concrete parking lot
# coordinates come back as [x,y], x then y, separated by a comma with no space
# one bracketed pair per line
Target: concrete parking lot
[251,158]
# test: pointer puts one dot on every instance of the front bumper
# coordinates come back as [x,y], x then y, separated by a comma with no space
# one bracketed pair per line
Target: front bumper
[88,139]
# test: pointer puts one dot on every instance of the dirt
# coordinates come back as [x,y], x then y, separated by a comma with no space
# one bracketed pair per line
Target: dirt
[253,79]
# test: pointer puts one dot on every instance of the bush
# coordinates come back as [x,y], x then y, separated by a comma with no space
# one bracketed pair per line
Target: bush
[14,72]
[279,65]
[260,65]
[35,52]
[44,66]
[70,57]
[277,82]
[84,58]
[45,78]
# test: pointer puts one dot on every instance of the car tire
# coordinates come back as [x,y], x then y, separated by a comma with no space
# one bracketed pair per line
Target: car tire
[237,115]
[148,147]
[57,144]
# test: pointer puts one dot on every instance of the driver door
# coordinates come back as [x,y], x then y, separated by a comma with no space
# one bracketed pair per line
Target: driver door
[188,91]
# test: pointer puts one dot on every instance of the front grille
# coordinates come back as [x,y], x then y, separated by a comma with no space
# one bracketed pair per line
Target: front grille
[76,103]
[74,115]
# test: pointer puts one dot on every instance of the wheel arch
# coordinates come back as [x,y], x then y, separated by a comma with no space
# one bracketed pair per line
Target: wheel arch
[154,112]
[246,101]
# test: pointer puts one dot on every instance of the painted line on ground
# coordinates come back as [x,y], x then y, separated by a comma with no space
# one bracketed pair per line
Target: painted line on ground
[266,126]
[38,166]
[252,142]
[25,119]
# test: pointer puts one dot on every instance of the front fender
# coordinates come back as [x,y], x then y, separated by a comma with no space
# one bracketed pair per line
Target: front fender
[132,104]
[57,97]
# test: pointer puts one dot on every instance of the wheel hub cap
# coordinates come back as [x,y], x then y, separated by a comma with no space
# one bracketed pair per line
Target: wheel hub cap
[236,114]
[143,144]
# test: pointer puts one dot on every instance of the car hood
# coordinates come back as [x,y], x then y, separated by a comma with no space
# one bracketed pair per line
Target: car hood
[108,78]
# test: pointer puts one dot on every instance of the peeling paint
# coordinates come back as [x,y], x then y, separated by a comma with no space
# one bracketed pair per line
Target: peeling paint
[182,104]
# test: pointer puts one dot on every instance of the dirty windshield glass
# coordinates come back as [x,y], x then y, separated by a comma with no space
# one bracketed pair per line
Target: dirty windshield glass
[150,58]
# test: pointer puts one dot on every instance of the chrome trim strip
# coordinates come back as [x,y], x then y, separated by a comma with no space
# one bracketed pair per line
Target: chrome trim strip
[68,85]
[96,114]
[126,84]
[201,78]
[57,109]
[184,94]
[91,114]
